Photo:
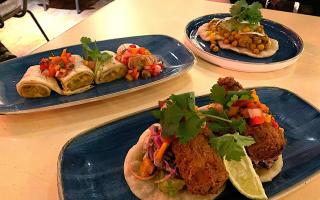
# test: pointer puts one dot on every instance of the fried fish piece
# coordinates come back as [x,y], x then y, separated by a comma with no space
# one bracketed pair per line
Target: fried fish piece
[229,84]
[269,144]
[200,166]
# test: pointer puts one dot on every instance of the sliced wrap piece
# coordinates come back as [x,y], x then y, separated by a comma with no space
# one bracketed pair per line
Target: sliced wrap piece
[147,189]
[109,70]
[78,80]
[34,84]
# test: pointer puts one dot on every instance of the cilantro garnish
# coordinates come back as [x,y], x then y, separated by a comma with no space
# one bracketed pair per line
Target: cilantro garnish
[241,11]
[180,118]
[227,98]
[94,53]
[230,145]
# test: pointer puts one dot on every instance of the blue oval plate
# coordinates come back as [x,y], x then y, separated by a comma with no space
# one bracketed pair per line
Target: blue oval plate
[177,59]
[90,166]
[290,47]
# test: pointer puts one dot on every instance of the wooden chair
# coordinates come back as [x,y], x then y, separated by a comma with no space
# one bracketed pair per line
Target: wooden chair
[16,8]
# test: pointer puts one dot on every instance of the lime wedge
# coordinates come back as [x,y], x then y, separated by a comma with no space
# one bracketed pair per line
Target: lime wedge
[244,177]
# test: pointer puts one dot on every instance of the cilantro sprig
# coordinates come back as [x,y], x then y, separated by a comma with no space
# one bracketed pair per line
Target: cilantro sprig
[92,52]
[241,11]
[227,98]
[230,145]
[180,119]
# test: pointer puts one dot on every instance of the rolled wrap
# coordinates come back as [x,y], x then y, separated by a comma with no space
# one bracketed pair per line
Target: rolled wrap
[78,80]
[34,84]
[109,70]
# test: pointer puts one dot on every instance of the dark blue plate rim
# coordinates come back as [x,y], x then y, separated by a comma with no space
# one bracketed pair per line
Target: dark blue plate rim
[255,63]
[61,153]
[185,68]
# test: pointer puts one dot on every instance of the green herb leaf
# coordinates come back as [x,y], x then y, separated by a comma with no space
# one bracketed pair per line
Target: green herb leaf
[230,145]
[94,53]
[233,99]
[239,125]
[218,94]
[245,97]
[180,118]
[241,11]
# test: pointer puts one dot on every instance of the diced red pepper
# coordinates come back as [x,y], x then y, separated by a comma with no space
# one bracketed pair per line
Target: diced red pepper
[274,123]
[257,120]
[52,71]
[141,50]
[132,46]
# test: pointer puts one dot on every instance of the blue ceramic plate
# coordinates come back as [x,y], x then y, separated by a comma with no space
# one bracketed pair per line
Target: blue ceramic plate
[290,47]
[177,59]
[90,166]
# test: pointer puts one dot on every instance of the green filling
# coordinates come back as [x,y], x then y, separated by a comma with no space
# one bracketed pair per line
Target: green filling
[171,186]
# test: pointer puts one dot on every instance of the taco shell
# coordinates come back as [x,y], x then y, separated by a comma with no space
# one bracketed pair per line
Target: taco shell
[147,189]
[263,54]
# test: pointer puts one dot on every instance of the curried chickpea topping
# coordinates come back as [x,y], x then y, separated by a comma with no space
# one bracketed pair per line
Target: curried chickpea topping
[254,43]
[215,49]
[234,43]
[261,47]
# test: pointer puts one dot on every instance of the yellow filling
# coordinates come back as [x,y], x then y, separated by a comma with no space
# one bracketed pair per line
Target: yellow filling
[30,91]
[113,74]
[79,82]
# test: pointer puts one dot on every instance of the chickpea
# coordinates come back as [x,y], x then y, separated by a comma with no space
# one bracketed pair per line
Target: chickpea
[246,29]
[231,38]
[253,46]
[258,41]
[260,47]
[259,29]
[256,51]
[233,33]
[226,34]
[212,46]
[265,39]
[212,37]
[237,36]
[215,49]
[226,41]
[234,43]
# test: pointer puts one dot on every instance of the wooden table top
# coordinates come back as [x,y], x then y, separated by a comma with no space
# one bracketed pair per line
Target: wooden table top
[30,143]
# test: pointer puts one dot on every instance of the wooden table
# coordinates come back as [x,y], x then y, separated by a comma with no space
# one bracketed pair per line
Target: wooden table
[30,143]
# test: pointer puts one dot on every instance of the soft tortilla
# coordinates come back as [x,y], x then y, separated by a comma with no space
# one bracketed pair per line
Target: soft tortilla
[148,190]
[104,70]
[263,54]
[267,175]
[34,78]
[78,71]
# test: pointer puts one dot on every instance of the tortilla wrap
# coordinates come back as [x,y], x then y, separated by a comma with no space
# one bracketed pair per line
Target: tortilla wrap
[203,33]
[34,84]
[79,79]
[267,175]
[109,70]
[263,54]
[147,189]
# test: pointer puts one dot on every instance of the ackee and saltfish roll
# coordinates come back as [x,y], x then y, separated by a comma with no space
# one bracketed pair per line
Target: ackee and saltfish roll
[79,79]
[69,69]
[35,84]
[109,70]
